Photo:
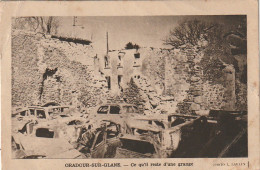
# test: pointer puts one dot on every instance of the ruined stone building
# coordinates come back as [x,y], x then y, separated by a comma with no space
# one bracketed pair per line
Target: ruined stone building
[175,73]
[119,67]
[165,78]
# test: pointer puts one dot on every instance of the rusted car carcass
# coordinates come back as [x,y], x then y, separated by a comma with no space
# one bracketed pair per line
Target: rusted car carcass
[39,113]
[55,130]
[219,134]
[51,114]
[228,137]
[138,146]
[42,141]
[115,111]
[90,138]
[157,138]
[99,139]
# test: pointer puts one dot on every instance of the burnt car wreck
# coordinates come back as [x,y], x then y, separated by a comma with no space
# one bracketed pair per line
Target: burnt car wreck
[129,135]
[185,136]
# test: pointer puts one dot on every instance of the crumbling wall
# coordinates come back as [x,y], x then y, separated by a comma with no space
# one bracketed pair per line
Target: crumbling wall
[209,86]
[26,79]
[241,95]
[177,74]
[241,82]
[153,66]
[182,78]
[185,79]
[74,81]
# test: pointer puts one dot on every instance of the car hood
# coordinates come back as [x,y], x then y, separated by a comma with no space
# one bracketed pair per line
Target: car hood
[48,147]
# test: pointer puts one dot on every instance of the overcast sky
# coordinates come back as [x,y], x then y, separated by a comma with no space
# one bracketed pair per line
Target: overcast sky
[146,31]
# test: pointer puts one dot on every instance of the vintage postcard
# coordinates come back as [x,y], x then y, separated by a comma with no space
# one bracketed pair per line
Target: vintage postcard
[127,85]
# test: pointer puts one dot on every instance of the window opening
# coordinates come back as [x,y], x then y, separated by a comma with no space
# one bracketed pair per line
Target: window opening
[41,114]
[119,78]
[137,55]
[45,133]
[114,110]
[108,82]
[102,110]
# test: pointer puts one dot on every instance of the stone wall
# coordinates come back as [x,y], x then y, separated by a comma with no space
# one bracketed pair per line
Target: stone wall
[73,83]
[182,80]
[26,78]
[178,75]
[185,80]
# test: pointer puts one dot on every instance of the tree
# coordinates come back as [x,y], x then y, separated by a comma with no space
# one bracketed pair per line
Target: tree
[223,43]
[237,36]
[187,32]
[130,45]
[132,93]
[48,25]
[230,38]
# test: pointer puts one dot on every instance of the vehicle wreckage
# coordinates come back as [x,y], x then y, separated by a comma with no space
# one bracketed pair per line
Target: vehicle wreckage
[39,113]
[66,138]
[128,134]
[48,142]
[179,135]
[155,138]
[99,139]
[53,129]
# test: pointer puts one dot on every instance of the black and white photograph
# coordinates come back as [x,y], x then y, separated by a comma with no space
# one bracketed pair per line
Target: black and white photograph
[85,87]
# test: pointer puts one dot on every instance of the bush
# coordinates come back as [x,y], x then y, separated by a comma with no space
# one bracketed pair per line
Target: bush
[130,45]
